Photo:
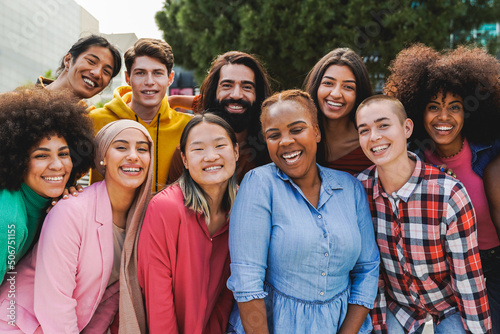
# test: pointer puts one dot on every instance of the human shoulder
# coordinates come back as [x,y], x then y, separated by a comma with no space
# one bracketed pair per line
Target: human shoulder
[367,176]
[12,207]
[77,209]
[170,198]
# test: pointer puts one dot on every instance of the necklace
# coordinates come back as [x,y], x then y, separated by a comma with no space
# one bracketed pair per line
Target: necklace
[451,156]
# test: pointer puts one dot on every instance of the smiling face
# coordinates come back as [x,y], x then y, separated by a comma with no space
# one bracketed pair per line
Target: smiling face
[236,88]
[382,134]
[149,79]
[210,155]
[443,121]
[49,167]
[291,138]
[337,92]
[91,72]
[127,160]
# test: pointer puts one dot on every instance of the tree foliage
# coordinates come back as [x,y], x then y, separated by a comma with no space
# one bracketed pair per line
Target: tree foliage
[291,36]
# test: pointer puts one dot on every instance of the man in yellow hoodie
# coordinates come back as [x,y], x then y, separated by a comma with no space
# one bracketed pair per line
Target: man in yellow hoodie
[149,73]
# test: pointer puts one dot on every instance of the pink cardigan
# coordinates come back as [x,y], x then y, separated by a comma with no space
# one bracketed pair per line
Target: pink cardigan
[73,259]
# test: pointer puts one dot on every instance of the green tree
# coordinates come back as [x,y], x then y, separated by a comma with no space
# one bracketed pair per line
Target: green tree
[290,36]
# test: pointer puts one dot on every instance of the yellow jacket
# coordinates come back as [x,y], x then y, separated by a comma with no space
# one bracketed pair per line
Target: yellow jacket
[165,129]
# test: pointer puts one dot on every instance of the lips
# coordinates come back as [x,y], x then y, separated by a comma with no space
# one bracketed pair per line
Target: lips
[53,178]
[291,157]
[212,168]
[379,148]
[131,170]
[335,104]
[149,92]
[89,82]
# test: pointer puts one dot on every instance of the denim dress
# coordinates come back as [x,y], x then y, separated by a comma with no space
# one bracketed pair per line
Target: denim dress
[306,263]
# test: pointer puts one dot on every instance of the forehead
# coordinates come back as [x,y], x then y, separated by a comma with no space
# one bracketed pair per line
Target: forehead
[339,71]
[103,53]
[206,132]
[147,63]
[376,110]
[236,72]
[283,113]
[131,134]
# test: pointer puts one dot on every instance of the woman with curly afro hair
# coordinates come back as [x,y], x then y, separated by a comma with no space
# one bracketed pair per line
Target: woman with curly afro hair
[453,97]
[46,141]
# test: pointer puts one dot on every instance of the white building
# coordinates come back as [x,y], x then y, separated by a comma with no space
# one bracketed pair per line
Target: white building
[35,35]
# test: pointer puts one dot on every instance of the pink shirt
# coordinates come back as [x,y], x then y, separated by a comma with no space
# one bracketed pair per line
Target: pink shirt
[182,269]
[461,165]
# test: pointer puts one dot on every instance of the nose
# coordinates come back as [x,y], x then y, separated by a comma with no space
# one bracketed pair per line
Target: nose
[96,71]
[56,164]
[443,114]
[375,135]
[211,155]
[286,140]
[132,156]
[236,93]
[149,79]
[335,92]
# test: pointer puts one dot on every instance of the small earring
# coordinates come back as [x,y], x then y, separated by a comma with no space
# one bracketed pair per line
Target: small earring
[101,162]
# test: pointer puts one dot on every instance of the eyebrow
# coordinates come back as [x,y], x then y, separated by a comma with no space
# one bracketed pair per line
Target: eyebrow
[288,126]
[45,149]
[378,120]
[247,82]
[436,102]
[99,59]
[332,78]
[197,142]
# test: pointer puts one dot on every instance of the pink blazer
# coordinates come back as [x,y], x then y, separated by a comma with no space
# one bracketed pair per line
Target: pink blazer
[73,260]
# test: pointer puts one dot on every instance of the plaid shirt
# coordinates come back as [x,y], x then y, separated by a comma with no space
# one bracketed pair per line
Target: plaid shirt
[426,234]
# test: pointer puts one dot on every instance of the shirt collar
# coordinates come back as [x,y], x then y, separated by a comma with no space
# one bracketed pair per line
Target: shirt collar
[407,190]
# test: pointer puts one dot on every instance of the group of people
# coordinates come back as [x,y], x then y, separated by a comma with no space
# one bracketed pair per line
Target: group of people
[322,210]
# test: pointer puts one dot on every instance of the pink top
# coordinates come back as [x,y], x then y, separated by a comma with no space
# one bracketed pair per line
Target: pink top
[68,292]
[182,269]
[461,165]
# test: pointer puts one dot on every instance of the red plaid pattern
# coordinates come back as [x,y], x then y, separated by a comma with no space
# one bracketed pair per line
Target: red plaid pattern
[426,234]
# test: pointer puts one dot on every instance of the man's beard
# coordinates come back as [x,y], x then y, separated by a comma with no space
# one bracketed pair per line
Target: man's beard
[239,122]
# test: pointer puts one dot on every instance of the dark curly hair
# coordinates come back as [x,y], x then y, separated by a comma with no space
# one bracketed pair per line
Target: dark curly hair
[419,73]
[29,115]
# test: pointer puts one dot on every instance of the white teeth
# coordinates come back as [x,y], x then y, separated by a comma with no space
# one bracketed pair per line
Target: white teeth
[89,82]
[379,148]
[131,170]
[149,92]
[334,104]
[443,128]
[208,169]
[54,178]
[291,155]
[235,106]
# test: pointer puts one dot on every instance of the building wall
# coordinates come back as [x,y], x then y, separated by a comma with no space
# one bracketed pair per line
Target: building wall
[35,35]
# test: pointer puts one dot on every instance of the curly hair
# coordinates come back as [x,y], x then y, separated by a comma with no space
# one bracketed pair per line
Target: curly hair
[419,73]
[29,115]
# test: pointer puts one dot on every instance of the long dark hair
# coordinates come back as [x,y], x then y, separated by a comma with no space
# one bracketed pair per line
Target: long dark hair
[341,57]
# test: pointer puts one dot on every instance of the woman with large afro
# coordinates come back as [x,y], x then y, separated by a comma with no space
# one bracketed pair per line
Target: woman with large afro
[46,142]
[453,97]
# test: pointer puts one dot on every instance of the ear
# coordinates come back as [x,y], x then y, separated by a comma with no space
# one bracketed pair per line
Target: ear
[171,78]
[318,133]
[67,60]
[184,160]
[237,151]
[127,78]
[408,126]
